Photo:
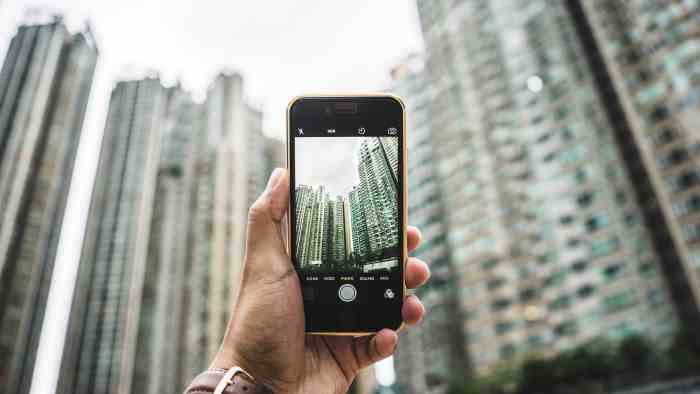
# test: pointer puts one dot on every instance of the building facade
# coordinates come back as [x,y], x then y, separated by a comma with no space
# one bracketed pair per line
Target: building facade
[427,354]
[548,241]
[45,84]
[101,343]
[238,145]
[161,225]
[167,304]
[645,55]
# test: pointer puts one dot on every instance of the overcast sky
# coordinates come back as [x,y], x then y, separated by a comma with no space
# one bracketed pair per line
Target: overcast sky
[327,161]
[282,49]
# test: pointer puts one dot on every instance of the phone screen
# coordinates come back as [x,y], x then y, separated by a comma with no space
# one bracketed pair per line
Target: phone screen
[347,241]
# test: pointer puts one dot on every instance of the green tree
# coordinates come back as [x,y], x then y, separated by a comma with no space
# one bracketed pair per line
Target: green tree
[635,357]
[538,376]
[684,353]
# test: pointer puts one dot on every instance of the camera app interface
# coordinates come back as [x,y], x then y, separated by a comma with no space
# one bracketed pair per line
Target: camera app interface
[346,206]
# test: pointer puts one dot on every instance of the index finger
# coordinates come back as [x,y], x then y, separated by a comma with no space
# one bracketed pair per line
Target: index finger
[414,236]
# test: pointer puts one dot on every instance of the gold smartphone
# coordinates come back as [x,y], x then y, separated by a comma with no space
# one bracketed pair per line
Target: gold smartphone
[346,155]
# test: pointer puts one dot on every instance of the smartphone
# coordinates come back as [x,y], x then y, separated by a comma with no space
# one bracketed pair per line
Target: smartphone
[347,223]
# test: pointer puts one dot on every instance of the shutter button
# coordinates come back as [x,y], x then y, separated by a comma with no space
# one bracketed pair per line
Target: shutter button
[347,293]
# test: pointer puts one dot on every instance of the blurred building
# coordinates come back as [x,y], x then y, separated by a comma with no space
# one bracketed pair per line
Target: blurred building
[548,242]
[429,353]
[44,88]
[237,143]
[143,319]
[100,347]
[646,59]
[170,314]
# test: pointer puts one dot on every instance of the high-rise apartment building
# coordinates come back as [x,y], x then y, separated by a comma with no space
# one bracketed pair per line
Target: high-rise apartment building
[312,205]
[359,236]
[167,306]
[336,230]
[429,353]
[44,88]
[378,192]
[170,185]
[101,344]
[645,56]
[548,242]
[235,135]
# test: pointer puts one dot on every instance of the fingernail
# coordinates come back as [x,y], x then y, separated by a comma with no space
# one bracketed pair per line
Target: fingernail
[274,179]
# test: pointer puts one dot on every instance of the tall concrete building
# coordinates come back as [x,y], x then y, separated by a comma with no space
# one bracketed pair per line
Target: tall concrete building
[157,272]
[430,352]
[101,345]
[167,305]
[336,230]
[378,193]
[548,241]
[312,207]
[44,88]
[359,236]
[645,58]
[235,135]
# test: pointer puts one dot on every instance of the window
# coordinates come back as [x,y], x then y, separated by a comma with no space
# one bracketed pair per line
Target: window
[535,340]
[504,327]
[544,137]
[500,304]
[528,294]
[597,222]
[585,291]
[604,247]
[566,220]
[555,279]
[572,243]
[621,197]
[507,351]
[489,264]
[561,302]
[566,329]
[677,156]
[580,176]
[622,300]
[647,269]
[585,199]
[545,258]
[691,232]
[631,219]
[612,271]
[495,283]
[655,297]
[579,266]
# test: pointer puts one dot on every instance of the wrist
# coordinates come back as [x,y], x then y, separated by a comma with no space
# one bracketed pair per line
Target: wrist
[226,358]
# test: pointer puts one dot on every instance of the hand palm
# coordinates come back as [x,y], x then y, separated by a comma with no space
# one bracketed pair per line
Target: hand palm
[266,333]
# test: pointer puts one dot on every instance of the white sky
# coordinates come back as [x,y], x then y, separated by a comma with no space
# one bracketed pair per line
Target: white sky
[327,161]
[281,48]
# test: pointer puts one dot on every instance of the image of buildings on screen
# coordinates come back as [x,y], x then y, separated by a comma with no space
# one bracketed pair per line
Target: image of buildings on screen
[358,230]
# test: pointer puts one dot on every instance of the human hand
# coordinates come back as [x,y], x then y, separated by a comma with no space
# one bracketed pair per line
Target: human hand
[265,335]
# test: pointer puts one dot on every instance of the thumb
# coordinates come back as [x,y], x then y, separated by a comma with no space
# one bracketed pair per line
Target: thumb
[264,235]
